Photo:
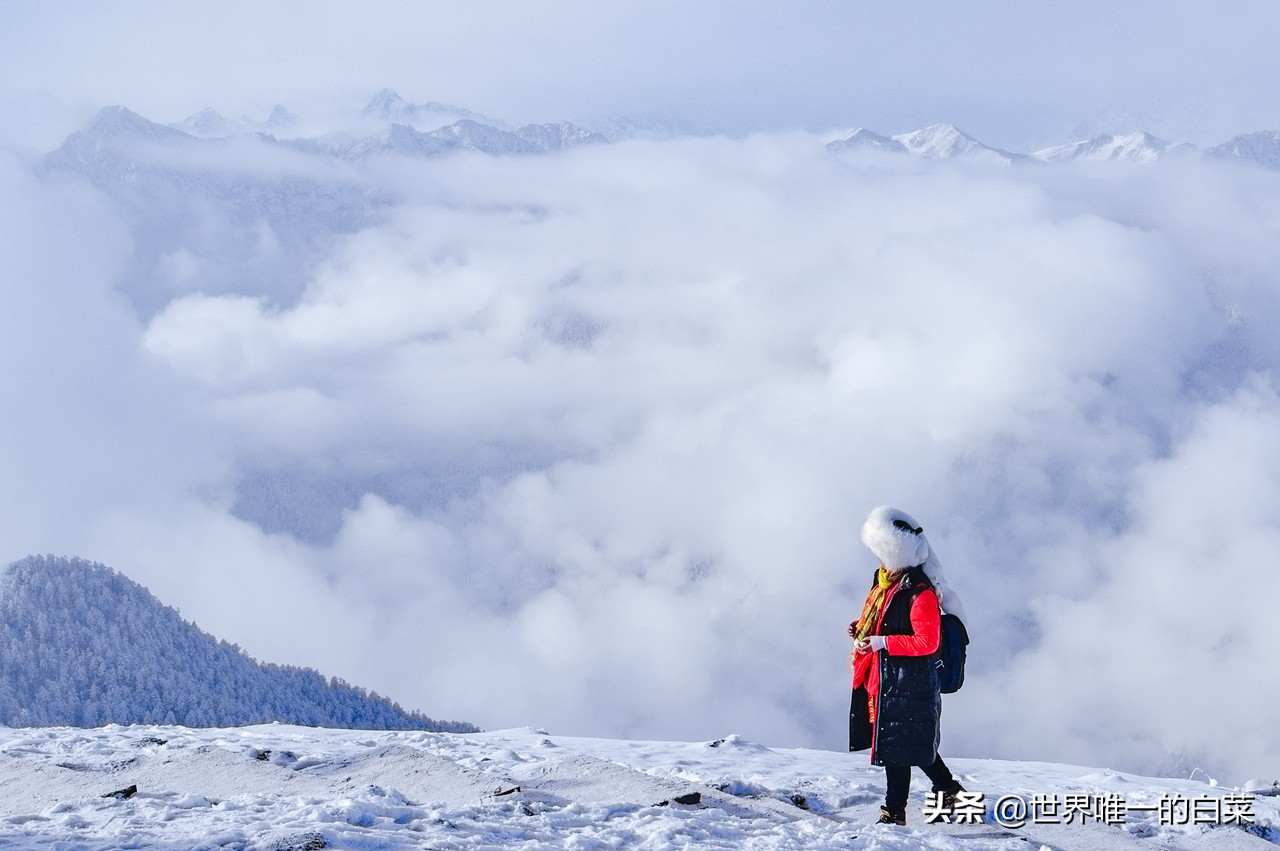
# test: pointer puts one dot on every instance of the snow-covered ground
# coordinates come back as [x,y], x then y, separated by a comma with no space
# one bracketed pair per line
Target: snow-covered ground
[284,787]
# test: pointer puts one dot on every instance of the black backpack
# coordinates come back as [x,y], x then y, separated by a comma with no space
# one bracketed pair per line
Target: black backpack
[951,653]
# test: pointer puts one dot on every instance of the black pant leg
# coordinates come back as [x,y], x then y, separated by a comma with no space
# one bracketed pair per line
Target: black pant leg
[943,781]
[897,787]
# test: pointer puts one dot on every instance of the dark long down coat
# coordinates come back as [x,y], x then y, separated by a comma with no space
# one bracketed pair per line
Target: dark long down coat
[909,706]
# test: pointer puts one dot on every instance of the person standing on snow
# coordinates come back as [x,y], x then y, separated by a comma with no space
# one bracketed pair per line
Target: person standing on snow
[897,706]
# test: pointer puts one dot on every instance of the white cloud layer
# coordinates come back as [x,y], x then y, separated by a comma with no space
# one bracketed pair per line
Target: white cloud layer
[586,440]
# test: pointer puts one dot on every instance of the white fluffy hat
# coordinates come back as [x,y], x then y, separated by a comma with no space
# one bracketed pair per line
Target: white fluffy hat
[898,541]
[895,537]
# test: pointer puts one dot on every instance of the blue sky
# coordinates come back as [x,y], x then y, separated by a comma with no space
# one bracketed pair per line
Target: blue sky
[1014,73]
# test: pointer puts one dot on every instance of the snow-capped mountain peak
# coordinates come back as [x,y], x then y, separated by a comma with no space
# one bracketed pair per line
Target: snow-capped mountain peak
[939,141]
[117,122]
[1134,147]
[280,117]
[210,124]
[469,135]
[862,138]
[384,103]
[206,122]
[397,139]
[943,141]
[388,105]
[1262,148]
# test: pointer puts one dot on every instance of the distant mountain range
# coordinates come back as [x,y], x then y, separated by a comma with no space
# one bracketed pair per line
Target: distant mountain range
[239,207]
[82,645]
[244,207]
[944,141]
[406,128]
[266,206]
[470,135]
[400,128]
[242,214]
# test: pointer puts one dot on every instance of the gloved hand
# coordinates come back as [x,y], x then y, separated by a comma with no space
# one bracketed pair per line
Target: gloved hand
[853,629]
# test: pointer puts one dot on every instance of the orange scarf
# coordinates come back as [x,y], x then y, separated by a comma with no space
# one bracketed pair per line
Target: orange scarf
[885,580]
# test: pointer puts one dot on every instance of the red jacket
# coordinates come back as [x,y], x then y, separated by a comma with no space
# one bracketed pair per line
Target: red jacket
[926,628]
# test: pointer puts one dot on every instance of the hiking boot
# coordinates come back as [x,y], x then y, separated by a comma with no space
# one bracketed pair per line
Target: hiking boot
[888,816]
[949,798]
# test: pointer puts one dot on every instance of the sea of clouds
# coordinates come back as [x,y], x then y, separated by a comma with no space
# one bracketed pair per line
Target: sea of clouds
[585,440]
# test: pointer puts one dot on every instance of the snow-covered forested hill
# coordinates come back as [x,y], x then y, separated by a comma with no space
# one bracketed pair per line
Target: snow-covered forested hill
[280,788]
[81,644]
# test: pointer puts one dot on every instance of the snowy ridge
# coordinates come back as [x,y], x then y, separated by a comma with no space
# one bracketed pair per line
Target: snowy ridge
[119,131]
[118,122]
[555,137]
[396,139]
[1136,147]
[81,644]
[944,141]
[468,135]
[279,787]
[210,124]
[864,138]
